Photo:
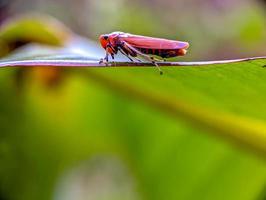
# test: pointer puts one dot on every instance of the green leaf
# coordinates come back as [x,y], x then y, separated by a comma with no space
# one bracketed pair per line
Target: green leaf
[240,128]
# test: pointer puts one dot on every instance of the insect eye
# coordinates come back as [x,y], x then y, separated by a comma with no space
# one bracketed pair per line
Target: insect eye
[105,37]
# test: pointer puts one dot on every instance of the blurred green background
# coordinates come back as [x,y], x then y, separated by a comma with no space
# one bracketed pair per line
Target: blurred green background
[63,136]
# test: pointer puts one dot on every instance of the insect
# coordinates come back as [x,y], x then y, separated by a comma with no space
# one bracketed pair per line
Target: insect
[146,47]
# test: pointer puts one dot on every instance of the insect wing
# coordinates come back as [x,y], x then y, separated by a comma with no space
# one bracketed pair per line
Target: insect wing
[153,43]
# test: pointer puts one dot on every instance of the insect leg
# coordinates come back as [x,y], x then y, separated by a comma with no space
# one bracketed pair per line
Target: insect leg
[106,58]
[151,59]
[137,59]
[128,55]
[120,50]
[156,59]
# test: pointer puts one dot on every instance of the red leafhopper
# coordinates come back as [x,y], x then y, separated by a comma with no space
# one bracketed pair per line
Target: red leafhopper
[136,45]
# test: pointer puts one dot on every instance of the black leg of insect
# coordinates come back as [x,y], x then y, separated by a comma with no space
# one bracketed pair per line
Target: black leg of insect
[151,59]
[128,55]
[121,51]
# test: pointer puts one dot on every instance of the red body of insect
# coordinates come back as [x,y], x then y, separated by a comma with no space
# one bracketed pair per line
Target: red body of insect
[136,45]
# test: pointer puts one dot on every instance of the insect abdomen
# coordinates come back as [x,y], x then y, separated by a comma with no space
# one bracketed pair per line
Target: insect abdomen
[164,53]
